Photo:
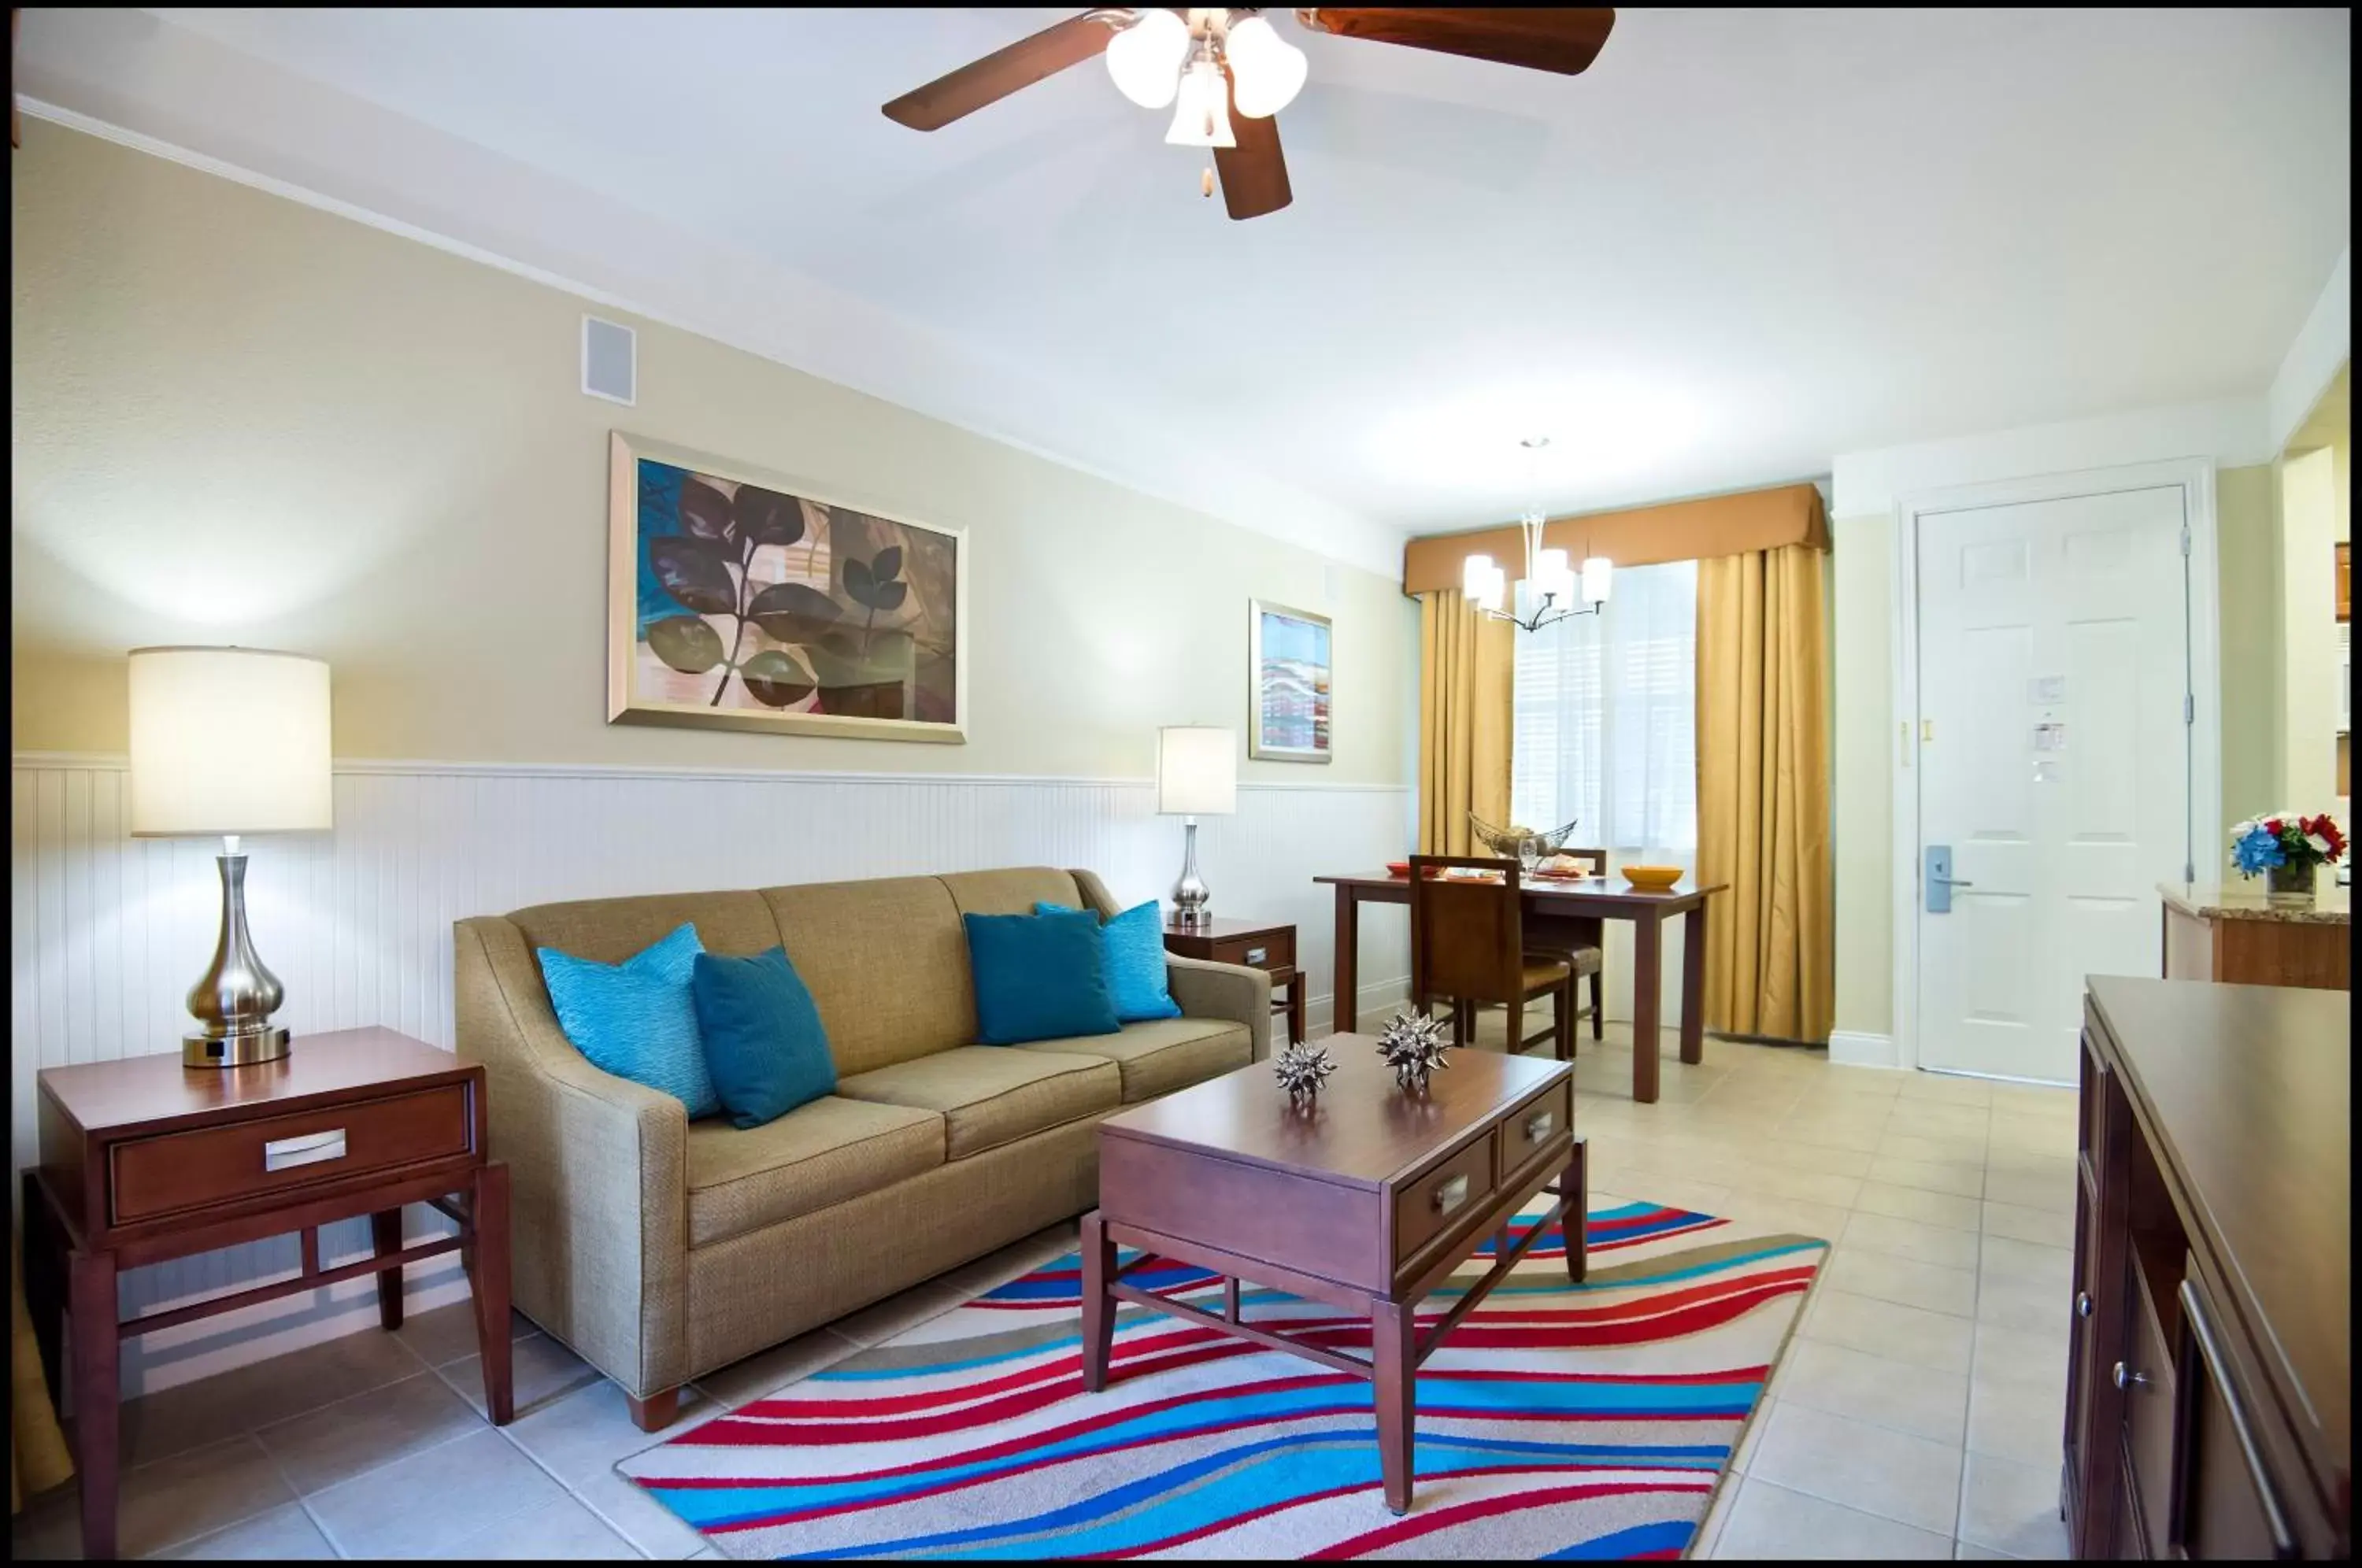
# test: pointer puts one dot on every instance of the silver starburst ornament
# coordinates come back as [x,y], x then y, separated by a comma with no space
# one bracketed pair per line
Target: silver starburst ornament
[1301,1070]
[1413,1046]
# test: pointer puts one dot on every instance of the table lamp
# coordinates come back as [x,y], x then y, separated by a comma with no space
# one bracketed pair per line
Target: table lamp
[1196,775]
[229,741]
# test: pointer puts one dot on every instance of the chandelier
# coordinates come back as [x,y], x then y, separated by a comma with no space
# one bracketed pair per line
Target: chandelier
[1159,59]
[1551,590]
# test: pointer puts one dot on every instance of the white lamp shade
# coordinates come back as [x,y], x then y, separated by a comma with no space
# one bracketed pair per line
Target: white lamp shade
[1475,572]
[1196,771]
[1597,571]
[1268,70]
[1145,58]
[1201,112]
[229,741]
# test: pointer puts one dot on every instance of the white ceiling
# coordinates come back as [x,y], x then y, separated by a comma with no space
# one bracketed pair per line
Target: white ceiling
[1744,242]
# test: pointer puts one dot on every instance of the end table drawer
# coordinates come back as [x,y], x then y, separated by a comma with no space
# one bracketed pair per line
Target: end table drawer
[1535,1125]
[178,1172]
[1272,950]
[1442,1197]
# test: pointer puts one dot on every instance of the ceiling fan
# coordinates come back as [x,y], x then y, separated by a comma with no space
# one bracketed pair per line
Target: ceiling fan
[1227,72]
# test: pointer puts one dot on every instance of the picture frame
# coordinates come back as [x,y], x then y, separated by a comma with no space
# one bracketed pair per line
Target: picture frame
[742,599]
[1291,697]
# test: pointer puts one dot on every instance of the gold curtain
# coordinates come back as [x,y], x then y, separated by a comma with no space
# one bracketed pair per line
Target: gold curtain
[1467,664]
[37,1458]
[1764,793]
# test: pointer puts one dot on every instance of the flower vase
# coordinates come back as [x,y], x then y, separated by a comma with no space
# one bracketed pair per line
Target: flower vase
[2289,883]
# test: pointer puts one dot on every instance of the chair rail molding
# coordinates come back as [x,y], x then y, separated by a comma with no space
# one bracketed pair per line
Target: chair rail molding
[109,931]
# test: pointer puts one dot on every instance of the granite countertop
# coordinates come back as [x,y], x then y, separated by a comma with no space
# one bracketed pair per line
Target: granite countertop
[2246,900]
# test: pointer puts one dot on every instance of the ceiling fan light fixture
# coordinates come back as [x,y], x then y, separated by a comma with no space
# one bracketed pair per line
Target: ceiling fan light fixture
[1145,58]
[1267,70]
[1201,114]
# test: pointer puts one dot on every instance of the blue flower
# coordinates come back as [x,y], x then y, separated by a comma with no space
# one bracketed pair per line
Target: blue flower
[2257,852]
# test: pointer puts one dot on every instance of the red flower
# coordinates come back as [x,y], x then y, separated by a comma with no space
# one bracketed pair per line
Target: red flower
[2272,826]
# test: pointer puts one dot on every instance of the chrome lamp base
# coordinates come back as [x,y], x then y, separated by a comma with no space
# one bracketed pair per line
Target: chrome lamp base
[1191,897]
[237,994]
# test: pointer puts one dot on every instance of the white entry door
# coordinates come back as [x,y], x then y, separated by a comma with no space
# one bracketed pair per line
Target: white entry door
[2053,764]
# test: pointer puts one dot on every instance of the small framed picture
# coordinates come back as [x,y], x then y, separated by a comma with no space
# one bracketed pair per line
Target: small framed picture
[1289,662]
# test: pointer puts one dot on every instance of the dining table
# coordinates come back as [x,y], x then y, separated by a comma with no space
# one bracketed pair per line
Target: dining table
[1572,908]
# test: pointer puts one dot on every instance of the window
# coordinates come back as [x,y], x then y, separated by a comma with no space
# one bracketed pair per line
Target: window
[1607,720]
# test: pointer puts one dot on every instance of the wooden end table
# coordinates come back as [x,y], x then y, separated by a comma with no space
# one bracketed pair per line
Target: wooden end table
[145,1160]
[1258,945]
[1368,1201]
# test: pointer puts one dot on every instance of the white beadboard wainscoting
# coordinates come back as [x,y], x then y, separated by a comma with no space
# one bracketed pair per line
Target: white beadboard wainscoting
[109,931]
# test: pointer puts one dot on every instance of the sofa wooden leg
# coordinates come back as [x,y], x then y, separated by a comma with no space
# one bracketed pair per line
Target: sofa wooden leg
[656,1412]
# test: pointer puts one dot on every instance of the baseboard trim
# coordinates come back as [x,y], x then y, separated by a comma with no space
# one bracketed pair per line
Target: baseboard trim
[1854,1048]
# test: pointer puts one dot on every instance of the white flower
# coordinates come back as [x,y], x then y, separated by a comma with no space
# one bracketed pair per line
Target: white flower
[2241,830]
[2320,844]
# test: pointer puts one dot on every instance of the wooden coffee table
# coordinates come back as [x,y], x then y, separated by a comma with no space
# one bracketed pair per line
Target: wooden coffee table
[1367,1202]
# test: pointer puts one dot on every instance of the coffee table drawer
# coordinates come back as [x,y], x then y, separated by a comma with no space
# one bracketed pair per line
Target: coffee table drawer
[179,1172]
[1535,1126]
[1444,1197]
[1269,950]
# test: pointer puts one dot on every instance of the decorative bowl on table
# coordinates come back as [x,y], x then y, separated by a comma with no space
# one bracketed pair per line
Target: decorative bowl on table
[1652,879]
[1519,844]
[1397,867]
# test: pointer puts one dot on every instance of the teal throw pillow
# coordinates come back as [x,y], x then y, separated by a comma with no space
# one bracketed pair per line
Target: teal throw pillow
[1133,946]
[1038,976]
[636,1019]
[764,1042]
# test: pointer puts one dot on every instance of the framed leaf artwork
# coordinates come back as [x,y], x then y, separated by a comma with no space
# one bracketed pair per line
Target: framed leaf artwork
[1288,653]
[743,599]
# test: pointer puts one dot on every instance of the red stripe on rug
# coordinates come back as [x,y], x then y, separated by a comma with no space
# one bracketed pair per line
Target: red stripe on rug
[1417,1525]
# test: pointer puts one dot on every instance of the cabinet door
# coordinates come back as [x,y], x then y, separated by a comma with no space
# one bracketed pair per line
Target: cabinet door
[2093,1450]
[2226,1501]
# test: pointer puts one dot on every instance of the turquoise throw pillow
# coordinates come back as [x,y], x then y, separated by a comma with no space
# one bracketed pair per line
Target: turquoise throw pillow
[1133,946]
[764,1042]
[1038,976]
[636,1019]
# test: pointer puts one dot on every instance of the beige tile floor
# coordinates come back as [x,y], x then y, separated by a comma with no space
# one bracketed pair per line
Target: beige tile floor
[1918,1413]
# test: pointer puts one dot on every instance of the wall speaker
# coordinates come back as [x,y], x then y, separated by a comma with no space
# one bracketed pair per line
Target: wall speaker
[611,360]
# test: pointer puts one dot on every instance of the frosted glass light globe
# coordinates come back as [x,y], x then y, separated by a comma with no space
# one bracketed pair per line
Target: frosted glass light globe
[1145,58]
[1267,70]
[1201,114]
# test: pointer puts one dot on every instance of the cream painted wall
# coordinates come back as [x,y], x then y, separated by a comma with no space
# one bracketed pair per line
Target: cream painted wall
[1866,743]
[2308,644]
[237,418]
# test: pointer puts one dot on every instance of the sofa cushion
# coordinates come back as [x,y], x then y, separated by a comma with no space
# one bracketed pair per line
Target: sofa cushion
[1133,946]
[990,1095]
[887,964]
[817,1155]
[636,1019]
[1012,891]
[1162,1054]
[1038,976]
[608,931]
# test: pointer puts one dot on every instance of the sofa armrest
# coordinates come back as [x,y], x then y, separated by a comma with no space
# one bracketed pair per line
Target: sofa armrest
[1206,990]
[598,1171]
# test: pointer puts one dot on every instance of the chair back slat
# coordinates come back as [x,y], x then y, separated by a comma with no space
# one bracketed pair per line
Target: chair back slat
[1467,938]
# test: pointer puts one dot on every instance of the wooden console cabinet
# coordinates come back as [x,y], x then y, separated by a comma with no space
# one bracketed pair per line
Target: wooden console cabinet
[2208,1367]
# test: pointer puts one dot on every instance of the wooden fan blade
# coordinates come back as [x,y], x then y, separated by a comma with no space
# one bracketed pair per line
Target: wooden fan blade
[1001,72]
[1564,39]
[1254,175]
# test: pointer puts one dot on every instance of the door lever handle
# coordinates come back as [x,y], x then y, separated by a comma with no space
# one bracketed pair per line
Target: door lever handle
[1952,881]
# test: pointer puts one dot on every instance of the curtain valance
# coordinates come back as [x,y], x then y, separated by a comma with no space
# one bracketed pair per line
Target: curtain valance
[1644,536]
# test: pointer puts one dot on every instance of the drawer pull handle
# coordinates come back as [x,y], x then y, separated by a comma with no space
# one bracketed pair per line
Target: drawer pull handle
[1451,1194]
[2083,1304]
[1538,1124]
[2201,1324]
[1256,955]
[308,1150]
[2128,1378]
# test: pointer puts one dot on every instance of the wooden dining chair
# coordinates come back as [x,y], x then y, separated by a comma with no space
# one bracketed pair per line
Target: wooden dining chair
[1467,944]
[1575,941]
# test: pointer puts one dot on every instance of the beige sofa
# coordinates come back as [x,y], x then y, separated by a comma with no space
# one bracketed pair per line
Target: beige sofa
[661,1249]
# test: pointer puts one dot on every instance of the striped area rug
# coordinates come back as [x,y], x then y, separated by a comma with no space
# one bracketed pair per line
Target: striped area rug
[1593,1420]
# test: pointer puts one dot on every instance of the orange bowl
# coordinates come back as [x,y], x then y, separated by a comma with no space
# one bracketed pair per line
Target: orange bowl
[1652,879]
[1397,867]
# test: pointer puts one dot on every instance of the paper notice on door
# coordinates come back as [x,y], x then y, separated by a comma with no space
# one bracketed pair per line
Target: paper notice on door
[2050,737]
[2045,772]
[2047,690]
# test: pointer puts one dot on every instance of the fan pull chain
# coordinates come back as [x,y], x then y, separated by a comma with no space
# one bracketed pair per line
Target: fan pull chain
[1206,182]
